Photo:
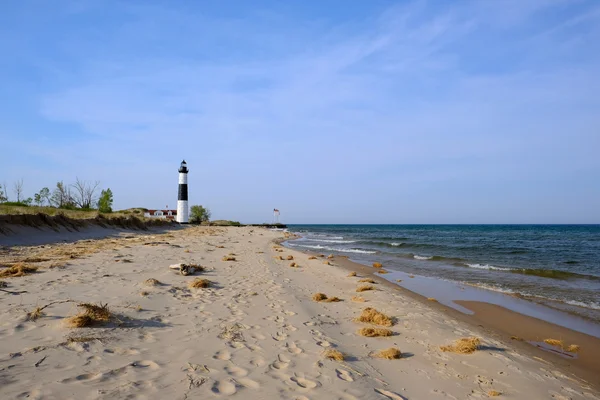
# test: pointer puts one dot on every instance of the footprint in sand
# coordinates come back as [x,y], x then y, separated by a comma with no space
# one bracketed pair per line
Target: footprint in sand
[323,343]
[282,362]
[304,383]
[293,348]
[279,336]
[344,375]
[223,387]
[258,336]
[249,383]
[236,371]
[223,355]
[258,362]
[390,395]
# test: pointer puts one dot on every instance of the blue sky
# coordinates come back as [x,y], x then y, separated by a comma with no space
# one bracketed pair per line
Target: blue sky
[332,111]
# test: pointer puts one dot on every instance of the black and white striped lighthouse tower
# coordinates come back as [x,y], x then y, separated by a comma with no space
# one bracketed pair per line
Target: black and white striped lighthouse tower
[183,211]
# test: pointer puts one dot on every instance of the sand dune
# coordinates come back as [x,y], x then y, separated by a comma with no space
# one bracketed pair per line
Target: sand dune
[254,332]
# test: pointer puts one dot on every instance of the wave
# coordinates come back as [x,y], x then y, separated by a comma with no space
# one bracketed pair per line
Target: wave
[543,273]
[340,250]
[486,266]
[592,305]
[521,294]
[418,257]
[330,241]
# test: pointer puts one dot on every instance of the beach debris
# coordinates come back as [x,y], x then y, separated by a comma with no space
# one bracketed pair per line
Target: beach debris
[411,276]
[364,288]
[383,271]
[334,355]
[327,262]
[228,258]
[144,293]
[321,255]
[494,393]
[152,282]
[330,256]
[572,348]
[377,265]
[187,269]
[367,280]
[17,270]
[389,354]
[520,339]
[358,299]
[232,332]
[463,345]
[92,314]
[432,299]
[375,332]
[319,297]
[372,316]
[199,283]
[398,280]
[290,257]
[3,284]
[352,274]
[554,342]
[312,258]
[293,264]
[323,297]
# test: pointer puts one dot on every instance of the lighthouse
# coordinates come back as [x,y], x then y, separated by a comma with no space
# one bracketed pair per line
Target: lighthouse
[183,211]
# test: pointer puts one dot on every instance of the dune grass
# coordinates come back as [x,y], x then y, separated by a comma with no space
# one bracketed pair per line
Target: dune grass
[91,314]
[375,332]
[199,283]
[152,282]
[389,354]
[364,288]
[17,270]
[372,316]
[463,346]
[334,355]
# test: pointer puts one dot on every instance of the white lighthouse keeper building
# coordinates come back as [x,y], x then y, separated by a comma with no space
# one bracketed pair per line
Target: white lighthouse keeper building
[183,211]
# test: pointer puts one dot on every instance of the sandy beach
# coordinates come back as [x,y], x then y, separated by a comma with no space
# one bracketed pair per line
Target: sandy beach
[255,332]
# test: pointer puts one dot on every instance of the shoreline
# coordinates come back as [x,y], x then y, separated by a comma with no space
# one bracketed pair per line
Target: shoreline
[503,324]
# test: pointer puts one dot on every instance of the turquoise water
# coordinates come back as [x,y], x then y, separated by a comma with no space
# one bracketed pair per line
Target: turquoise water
[557,265]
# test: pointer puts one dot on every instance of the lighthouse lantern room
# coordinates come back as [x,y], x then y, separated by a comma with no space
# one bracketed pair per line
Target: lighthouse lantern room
[183,211]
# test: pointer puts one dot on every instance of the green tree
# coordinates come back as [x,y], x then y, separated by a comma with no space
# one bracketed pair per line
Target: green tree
[27,201]
[42,197]
[199,214]
[61,196]
[105,201]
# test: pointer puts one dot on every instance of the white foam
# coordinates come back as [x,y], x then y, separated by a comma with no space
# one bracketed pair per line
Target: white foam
[486,266]
[308,246]
[332,241]
[397,244]
[418,257]
[592,305]
[354,251]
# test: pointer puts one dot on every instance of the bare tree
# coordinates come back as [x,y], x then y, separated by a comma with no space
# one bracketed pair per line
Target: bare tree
[18,189]
[85,193]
